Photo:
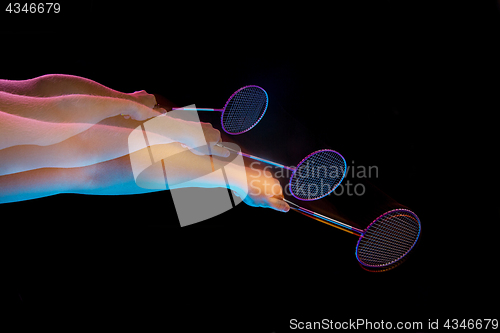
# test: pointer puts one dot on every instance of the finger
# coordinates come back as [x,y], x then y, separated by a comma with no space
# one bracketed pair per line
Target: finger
[142,97]
[219,151]
[152,99]
[201,150]
[278,190]
[212,135]
[278,205]
[278,194]
[162,110]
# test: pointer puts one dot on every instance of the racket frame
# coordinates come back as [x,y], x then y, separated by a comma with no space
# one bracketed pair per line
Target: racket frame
[327,220]
[225,106]
[358,232]
[378,218]
[304,160]
[293,169]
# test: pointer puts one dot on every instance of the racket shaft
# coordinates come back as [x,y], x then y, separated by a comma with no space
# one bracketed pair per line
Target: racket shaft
[257,158]
[197,109]
[325,219]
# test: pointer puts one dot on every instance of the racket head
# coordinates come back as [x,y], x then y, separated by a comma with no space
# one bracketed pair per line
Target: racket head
[317,175]
[388,239]
[244,109]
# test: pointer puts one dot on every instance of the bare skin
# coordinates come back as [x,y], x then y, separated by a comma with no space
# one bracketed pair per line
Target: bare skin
[61,84]
[99,143]
[47,118]
[115,177]
[46,121]
[60,131]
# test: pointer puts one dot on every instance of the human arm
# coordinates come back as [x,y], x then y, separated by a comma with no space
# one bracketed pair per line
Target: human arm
[116,177]
[53,125]
[59,148]
[61,84]
[73,108]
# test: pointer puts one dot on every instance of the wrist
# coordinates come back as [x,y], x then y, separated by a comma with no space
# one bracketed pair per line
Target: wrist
[236,176]
[92,109]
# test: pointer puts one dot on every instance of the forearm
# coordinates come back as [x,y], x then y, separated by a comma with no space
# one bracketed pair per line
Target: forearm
[93,109]
[116,177]
[39,183]
[182,169]
[15,130]
[173,166]
[69,108]
[57,85]
[50,124]
[19,87]
[97,144]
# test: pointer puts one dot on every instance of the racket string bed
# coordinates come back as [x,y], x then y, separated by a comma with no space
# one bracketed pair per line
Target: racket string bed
[300,180]
[247,109]
[381,234]
[379,247]
[388,239]
[318,175]
[398,236]
[385,241]
[244,109]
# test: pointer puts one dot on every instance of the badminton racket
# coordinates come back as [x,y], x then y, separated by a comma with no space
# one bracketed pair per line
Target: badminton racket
[385,241]
[243,110]
[316,176]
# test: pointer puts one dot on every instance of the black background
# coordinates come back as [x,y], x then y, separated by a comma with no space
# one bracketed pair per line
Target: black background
[411,88]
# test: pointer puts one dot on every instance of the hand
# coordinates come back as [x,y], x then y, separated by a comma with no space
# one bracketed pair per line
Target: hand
[93,109]
[264,191]
[141,112]
[142,97]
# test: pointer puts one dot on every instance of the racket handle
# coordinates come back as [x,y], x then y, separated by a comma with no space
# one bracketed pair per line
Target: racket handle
[325,219]
[256,158]
[196,109]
